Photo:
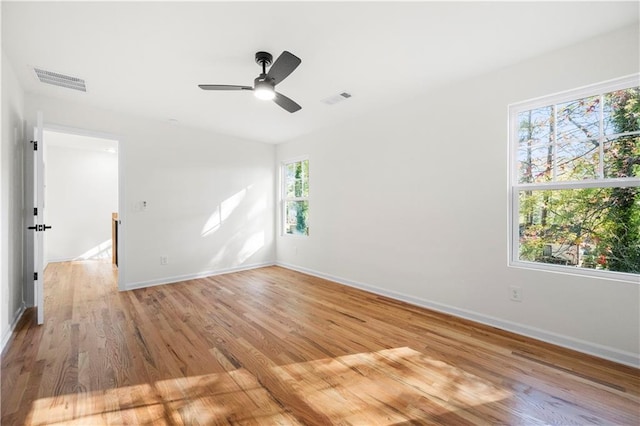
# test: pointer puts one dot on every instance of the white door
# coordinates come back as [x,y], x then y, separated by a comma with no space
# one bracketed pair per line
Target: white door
[35,191]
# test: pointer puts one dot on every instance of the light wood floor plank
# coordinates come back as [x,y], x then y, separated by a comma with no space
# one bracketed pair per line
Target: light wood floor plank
[273,346]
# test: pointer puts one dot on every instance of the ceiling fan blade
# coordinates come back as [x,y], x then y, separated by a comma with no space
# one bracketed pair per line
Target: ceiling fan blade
[283,66]
[223,87]
[286,103]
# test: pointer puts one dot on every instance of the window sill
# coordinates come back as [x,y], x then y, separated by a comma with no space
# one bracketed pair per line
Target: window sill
[298,236]
[580,272]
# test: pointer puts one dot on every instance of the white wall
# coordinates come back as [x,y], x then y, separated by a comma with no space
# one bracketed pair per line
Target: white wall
[81,194]
[11,189]
[398,198]
[412,201]
[210,206]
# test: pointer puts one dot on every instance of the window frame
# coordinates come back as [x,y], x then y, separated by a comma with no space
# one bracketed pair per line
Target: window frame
[284,199]
[514,187]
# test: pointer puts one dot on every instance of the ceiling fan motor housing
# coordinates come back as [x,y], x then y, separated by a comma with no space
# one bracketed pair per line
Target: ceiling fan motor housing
[263,81]
[264,58]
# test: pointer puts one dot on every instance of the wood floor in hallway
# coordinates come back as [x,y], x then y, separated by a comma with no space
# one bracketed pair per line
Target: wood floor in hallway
[273,346]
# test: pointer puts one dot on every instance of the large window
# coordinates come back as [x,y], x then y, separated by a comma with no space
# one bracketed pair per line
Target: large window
[574,180]
[295,197]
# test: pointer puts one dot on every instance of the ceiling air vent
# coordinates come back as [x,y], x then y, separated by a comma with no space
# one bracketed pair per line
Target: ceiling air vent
[337,98]
[61,80]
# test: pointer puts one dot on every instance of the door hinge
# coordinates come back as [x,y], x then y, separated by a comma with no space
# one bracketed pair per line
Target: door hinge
[35,276]
[35,145]
[35,211]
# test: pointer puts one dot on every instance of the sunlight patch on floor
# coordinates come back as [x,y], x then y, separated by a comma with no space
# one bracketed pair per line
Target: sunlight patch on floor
[236,396]
[388,387]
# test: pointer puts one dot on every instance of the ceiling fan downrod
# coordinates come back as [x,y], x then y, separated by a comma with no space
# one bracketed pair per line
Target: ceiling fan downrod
[264,59]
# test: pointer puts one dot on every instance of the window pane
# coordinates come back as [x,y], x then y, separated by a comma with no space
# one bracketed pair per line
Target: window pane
[297,179]
[290,180]
[302,178]
[622,111]
[577,160]
[535,137]
[578,120]
[622,157]
[297,217]
[596,228]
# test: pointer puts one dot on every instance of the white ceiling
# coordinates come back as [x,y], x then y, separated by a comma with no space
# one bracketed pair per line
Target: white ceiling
[146,58]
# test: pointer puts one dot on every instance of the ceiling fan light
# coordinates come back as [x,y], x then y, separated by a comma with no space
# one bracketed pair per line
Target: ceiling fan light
[264,91]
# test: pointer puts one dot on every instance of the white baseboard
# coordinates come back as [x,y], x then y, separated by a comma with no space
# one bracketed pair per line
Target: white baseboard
[176,279]
[60,259]
[6,338]
[601,351]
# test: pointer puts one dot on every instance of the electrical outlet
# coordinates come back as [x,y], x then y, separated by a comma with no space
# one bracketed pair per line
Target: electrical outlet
[515,293]
[164,260]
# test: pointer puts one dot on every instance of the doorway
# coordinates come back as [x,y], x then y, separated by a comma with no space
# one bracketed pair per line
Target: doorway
[81,193]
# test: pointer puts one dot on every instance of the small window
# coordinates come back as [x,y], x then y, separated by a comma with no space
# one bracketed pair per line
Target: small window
[295,197]
[574,181]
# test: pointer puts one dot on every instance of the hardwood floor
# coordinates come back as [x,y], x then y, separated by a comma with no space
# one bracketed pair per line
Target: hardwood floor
[272,346]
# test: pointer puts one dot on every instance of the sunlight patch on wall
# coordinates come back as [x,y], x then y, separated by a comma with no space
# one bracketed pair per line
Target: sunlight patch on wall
[251,246]
[222,213]
[219,257]
[101,251]
[230,204]
[213,223]
[258,208]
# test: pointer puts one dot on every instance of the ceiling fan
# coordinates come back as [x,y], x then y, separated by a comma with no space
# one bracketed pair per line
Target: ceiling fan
[264,84]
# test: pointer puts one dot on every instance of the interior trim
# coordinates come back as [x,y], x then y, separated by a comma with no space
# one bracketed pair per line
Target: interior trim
[9,334]
[180,278]
[601,351]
